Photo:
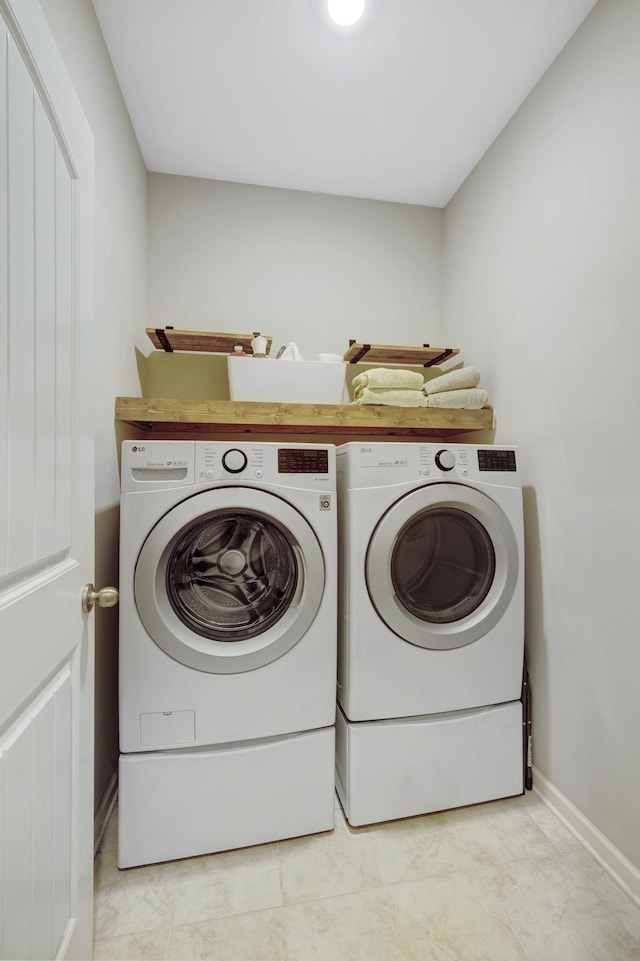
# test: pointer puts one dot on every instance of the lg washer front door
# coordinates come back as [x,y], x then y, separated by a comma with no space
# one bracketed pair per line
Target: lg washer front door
[441,566]
[229,580]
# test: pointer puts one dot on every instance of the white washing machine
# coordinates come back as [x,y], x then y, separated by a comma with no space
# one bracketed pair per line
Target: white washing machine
[227,646]
[431,628]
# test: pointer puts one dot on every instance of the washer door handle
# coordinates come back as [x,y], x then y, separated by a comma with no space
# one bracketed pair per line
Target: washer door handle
[297,597]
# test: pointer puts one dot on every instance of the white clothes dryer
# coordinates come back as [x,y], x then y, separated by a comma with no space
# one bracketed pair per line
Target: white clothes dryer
[227,646]
[431,627]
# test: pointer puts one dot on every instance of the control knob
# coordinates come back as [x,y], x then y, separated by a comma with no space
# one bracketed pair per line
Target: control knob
[234,460]
[445,460]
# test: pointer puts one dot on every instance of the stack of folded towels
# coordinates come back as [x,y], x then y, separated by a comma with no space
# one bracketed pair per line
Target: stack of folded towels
[390,386]
[457,390]
[394,387]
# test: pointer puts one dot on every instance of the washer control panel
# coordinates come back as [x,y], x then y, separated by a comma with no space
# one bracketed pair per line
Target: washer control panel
[299,465]
[303,460]
[220,461]
[156,465]
[162,465]
[234,461]
[445,460]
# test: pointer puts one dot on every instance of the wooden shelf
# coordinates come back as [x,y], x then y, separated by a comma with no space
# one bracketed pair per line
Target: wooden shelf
[165,415]
[425,356]
[201,341]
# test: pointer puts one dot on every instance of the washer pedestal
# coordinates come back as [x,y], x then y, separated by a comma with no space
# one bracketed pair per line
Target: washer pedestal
[399,768]
[176,804]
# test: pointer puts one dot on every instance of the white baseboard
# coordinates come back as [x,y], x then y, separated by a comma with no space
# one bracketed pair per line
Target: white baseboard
[619,867]
[104,812]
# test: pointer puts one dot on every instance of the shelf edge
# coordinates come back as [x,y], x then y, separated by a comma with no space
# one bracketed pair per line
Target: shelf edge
[165,415]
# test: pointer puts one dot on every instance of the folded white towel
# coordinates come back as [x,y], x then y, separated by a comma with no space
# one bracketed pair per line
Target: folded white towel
[470,399]
[456,380]
[390,398]
[388,377]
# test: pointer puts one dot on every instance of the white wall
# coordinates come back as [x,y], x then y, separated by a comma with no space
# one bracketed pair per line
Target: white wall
[307,267]
[542,268]
[120,289]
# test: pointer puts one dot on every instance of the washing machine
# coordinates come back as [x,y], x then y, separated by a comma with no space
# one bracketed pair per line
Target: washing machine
[227,663]
[431,627]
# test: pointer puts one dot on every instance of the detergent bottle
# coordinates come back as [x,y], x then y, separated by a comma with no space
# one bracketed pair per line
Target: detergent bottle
[290,352]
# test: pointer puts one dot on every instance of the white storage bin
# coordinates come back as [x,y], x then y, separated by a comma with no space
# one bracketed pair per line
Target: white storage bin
[286,381]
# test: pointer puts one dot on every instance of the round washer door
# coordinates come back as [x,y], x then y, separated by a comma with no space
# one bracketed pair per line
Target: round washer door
[442,565]
[229,580]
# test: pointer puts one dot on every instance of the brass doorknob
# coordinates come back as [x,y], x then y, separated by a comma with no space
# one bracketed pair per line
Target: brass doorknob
[107,597]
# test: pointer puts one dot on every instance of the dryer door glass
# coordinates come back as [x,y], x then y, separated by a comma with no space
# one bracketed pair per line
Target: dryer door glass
[231,576]
[443,565]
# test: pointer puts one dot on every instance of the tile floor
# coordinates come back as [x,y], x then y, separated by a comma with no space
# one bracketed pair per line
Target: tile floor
[497,882]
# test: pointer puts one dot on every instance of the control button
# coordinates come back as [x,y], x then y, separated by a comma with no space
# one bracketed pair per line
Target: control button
[445,460]
[259,474]
[234,460]
[209,473]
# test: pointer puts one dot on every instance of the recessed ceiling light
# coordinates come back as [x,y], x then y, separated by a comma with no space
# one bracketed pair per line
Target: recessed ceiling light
[345,12]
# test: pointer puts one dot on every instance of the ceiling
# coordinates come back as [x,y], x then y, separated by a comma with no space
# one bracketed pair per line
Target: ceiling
[399,107]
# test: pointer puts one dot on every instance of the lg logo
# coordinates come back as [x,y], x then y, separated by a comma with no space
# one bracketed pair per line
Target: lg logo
[134,449]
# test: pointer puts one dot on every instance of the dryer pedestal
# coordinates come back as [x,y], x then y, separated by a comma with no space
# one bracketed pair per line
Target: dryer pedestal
[176,804]
[399,768]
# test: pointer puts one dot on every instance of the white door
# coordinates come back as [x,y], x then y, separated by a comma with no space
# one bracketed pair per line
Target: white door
[46,498]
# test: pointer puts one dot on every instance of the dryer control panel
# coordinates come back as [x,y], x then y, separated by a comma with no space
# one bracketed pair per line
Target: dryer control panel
[383,463]
[496,459]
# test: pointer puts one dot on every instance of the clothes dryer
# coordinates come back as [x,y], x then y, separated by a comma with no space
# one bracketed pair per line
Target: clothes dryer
[227,646]
[431,627]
